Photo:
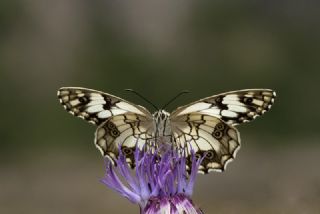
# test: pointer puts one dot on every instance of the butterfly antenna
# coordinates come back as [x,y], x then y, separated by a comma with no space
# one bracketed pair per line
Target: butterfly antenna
[142,97]
[174,98]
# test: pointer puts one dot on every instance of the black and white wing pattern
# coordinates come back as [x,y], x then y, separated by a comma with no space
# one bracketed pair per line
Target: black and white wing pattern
[96,106]
[207,126]
[126,132]
[208,137]
[121,124]
[233,107]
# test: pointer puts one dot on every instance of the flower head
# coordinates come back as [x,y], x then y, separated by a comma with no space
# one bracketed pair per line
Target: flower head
[158,184]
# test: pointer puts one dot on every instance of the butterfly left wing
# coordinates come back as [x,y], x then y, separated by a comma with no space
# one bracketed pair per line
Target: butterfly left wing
[125,132]
[207,137]
[96,106]
[121,124]
[233,107]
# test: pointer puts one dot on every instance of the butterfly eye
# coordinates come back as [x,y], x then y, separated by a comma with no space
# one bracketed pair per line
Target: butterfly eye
[163,116]
[127,151]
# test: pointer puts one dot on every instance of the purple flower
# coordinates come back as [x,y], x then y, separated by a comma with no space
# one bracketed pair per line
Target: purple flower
[157,185]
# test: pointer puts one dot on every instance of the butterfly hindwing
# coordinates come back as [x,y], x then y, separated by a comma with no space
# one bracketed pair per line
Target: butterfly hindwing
[126,133]
[232,107]
[208,137]
[96,106]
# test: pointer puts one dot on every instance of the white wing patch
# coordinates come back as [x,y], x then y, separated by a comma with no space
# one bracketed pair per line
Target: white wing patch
[195,108]
[129,107]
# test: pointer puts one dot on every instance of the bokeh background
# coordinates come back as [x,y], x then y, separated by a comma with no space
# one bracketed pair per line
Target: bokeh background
[48,163]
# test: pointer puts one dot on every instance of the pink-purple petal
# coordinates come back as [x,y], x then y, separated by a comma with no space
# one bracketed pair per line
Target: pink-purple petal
[159,183]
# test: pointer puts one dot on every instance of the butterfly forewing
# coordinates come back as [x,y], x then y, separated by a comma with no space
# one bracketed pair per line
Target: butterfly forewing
[232,107]
[96,106]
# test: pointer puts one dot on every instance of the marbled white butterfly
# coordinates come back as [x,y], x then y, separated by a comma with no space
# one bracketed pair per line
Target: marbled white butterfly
[206,126]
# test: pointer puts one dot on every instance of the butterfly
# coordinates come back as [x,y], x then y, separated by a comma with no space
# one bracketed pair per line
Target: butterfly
[206,128]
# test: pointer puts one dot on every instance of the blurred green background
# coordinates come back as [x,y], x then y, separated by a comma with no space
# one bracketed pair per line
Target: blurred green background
[48,163]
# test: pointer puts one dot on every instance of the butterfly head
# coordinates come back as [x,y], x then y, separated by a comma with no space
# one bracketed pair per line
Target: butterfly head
[160,116]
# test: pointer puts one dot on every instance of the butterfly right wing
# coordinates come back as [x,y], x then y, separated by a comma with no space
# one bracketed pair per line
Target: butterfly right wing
[207,137]
[96,106]
[207,125]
